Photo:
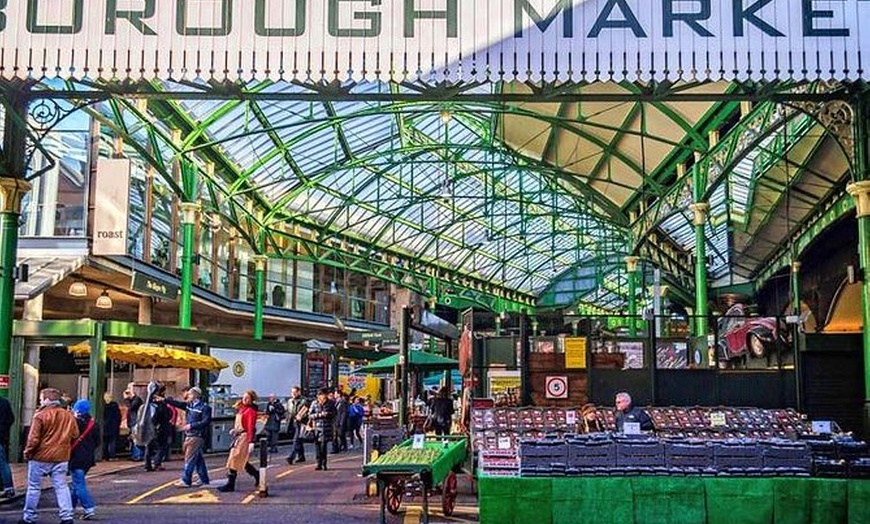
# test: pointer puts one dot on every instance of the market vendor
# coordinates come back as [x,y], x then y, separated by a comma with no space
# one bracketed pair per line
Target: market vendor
[626,412]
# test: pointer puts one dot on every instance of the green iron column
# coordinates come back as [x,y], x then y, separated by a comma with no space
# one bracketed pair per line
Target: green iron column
[12,191]
[189,213]
[860,191]
[260,269]
[796,287]
[97,374]
[699,211]
[631,272]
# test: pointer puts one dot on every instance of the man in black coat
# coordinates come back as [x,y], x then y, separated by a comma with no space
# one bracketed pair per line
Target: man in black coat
[626,412]
[111,426]
[275,413]
[7,418]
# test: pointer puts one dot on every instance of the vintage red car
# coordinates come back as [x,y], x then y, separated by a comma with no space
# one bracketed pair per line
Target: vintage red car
[741,335]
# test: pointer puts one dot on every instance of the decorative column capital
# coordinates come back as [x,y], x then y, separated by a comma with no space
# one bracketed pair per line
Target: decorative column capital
[260,262]
[189,212]
[795,267]
[860,191]
[12,191]
[699,210]
[631,263]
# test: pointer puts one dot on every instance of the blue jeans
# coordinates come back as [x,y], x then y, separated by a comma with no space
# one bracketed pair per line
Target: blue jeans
[5,472]
[57,471]
[194,460]
[80,491]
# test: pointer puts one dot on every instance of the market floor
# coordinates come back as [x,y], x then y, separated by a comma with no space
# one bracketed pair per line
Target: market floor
[299,494]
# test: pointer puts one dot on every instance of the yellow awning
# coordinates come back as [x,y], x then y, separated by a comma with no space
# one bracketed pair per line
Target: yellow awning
[148,356]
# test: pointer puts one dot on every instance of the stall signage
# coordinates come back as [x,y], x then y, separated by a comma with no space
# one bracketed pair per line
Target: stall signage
[575,353]
[504,443]
[419,441]
[154,287]
[631,428]
[502,382]
[717,419]
[557,387]
[570,418]
[378,338]
[4,381]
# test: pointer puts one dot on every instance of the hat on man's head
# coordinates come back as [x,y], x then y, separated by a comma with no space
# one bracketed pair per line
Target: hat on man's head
[196,391]
[81,407]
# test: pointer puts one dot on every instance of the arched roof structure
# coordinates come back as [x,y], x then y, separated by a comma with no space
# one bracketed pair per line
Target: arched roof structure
[515,172]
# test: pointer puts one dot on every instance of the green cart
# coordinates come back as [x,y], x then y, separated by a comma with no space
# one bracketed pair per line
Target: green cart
[434,466]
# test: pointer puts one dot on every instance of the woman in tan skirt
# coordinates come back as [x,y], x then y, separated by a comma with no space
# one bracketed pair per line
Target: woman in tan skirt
[243,433]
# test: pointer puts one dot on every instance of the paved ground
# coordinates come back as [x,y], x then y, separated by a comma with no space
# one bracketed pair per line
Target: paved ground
[125,493]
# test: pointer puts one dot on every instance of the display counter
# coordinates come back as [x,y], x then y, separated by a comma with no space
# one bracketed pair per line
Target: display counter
[672,500]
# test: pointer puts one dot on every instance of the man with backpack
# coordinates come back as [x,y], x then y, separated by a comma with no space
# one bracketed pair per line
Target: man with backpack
[355,415]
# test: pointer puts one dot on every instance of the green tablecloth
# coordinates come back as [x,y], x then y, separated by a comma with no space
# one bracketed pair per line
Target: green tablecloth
[673,500]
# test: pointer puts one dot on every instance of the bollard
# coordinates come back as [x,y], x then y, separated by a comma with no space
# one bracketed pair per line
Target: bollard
[263,488]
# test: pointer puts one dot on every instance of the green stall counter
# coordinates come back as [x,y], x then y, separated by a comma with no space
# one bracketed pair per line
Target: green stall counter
[673,500]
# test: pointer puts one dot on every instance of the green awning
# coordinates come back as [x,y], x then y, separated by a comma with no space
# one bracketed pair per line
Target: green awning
[419,361]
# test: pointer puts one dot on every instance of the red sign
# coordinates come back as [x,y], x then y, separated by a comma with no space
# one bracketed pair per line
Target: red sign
[4,381]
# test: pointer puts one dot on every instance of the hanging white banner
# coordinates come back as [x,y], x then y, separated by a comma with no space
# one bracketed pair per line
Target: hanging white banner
[581,40]
[111,203]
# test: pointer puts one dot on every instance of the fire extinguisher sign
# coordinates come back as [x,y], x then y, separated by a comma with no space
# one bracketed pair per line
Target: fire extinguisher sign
[557,387]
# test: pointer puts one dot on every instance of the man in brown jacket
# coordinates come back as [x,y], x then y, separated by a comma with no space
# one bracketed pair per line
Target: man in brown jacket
[52,433]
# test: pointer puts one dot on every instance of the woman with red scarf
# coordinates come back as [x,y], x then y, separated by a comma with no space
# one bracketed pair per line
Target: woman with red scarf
[243,433]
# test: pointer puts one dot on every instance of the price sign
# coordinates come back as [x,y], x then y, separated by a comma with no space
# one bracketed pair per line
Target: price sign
[631,428]
[419,441]
[822,426]
[570,418]
[717,419]
[504,443]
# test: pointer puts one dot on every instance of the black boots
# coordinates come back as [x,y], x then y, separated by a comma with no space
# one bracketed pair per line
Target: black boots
[252,471]
[231,482]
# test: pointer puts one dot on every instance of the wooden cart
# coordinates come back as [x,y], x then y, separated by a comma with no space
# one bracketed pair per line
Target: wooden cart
[435,477]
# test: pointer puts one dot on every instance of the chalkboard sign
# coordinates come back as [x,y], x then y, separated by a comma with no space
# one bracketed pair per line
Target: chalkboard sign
[316,374]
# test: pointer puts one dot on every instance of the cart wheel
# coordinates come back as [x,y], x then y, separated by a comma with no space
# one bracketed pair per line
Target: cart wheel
[393,493]
[448,494]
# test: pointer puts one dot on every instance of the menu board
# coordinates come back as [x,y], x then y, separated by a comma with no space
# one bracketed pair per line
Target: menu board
[316,374]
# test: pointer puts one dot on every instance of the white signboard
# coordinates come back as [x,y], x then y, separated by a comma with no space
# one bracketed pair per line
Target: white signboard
[550,40]
[631,428]
[822,426]
[264,372]
[111,204]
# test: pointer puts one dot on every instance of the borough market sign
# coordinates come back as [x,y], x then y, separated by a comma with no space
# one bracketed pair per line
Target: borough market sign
[581,40]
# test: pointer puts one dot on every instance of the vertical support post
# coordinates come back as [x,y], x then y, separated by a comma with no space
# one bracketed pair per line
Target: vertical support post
[189,213]
[404,361]
[795,332]
[631,270]
[525,350]
[260,275]
[700,210]
[12,191]
[498,324]
[97,375]
[860,191]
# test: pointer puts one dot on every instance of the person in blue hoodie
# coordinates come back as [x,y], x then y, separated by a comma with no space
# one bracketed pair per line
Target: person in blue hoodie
[82,457]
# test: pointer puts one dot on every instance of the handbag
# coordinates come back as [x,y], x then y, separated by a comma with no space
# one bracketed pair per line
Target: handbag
[307,433]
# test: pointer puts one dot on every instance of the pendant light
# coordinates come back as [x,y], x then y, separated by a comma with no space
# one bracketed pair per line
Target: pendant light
[78,289]
[104,301]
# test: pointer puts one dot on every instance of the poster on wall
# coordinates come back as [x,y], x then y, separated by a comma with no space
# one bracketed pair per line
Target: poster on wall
[264,372]
[575,352]
[633,352]
[672,355]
